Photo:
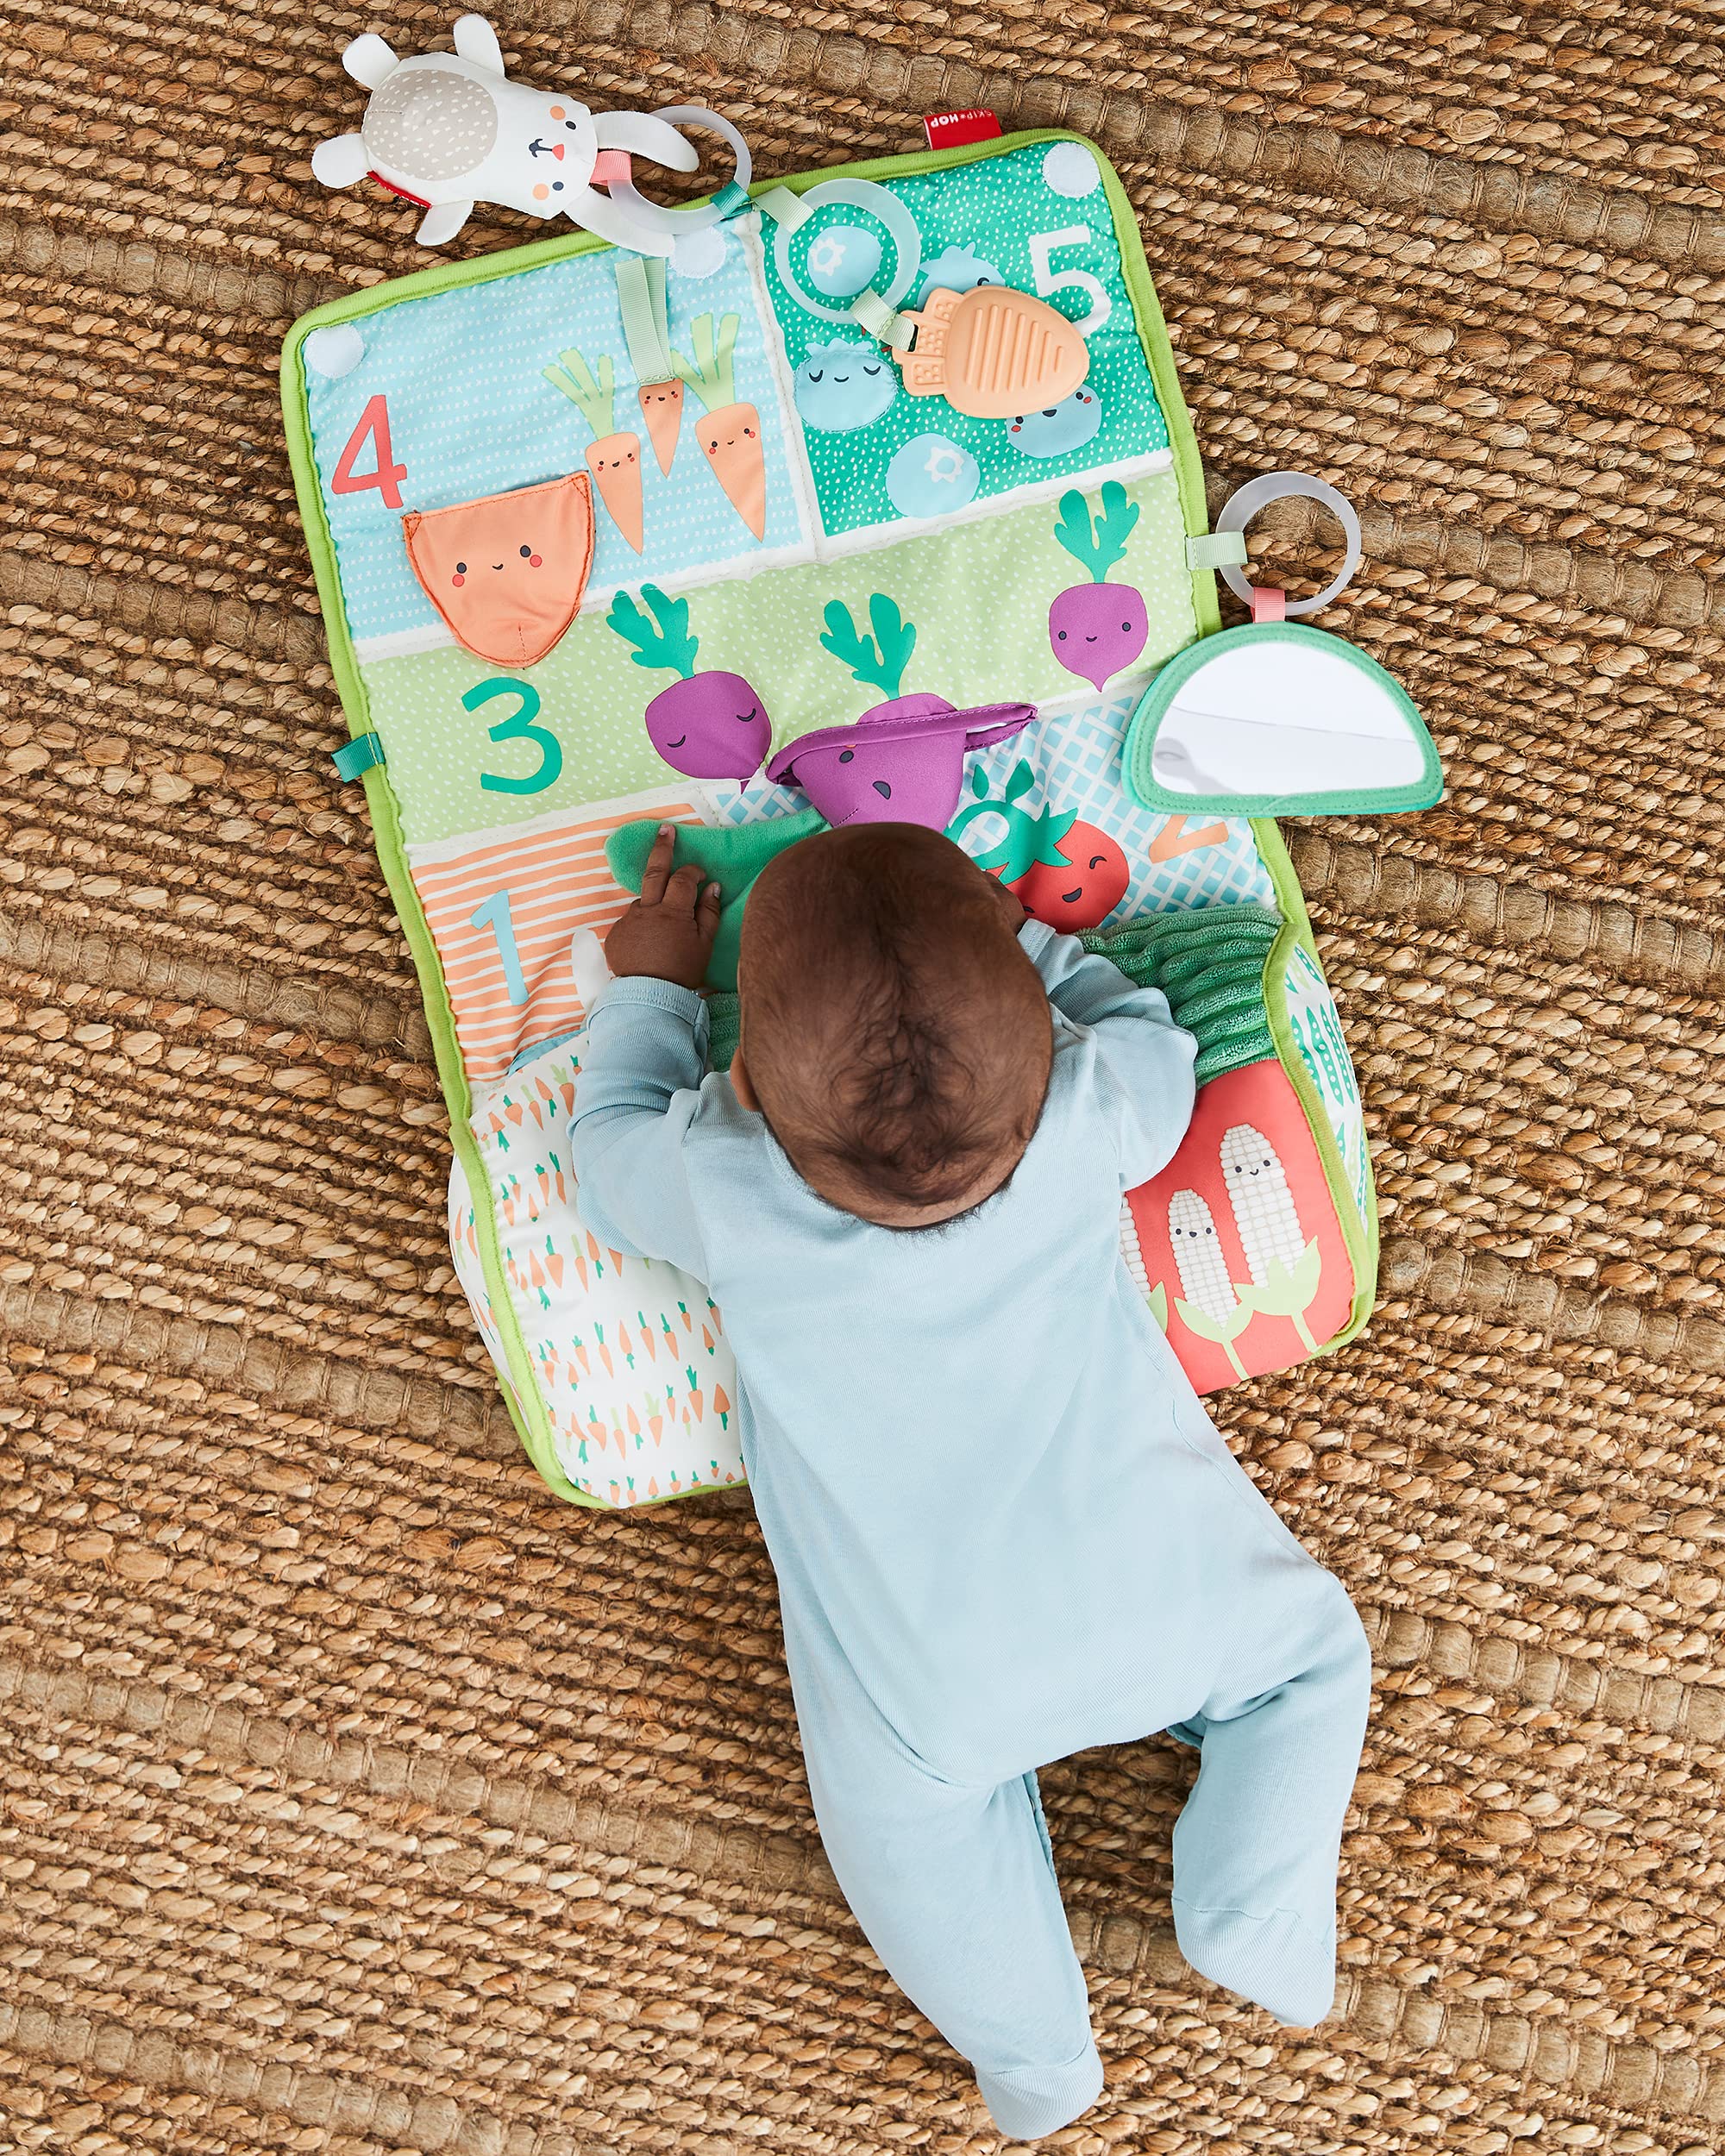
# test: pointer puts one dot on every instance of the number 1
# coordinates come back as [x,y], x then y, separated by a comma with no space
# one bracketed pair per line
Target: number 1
[495,915]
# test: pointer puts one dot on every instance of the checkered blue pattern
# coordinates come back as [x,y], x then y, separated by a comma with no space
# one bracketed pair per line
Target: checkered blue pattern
[1075,759]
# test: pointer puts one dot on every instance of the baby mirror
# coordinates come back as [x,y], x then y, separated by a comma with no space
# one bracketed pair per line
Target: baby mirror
[1279,719]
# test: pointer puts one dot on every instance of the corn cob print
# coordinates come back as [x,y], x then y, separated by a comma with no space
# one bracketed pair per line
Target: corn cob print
[1132,1250]
[1198,1252]
[1264,1214]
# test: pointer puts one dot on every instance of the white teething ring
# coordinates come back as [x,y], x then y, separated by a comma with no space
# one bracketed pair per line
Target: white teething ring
[1244,502]
[887,209]
[727,198]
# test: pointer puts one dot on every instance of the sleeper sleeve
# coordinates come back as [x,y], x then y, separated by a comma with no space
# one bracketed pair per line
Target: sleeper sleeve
[1144,1060]
[643,1057]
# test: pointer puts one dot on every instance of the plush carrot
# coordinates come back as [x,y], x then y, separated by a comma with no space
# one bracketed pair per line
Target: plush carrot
[662,407]
[614,459]
[729,433]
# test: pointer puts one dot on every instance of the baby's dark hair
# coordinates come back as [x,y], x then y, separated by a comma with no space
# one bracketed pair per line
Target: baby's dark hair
[898,1038]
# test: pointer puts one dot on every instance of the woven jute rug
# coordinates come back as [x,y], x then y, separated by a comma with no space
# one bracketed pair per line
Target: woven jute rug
[357,1796]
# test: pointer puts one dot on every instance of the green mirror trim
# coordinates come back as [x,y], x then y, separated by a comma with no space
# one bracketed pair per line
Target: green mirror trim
[1153,706]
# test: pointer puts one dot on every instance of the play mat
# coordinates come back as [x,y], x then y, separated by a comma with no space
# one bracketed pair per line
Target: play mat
[600,543]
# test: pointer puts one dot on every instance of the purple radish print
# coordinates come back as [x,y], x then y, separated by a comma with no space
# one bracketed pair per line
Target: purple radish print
[902,762]
[707,725]
[1096,630]
[892,780]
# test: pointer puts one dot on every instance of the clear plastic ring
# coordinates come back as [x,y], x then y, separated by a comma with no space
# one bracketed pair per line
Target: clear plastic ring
[1244,502]
[861,194]
[656,215]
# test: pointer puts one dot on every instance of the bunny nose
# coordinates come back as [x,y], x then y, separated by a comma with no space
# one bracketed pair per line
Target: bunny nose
[557,152]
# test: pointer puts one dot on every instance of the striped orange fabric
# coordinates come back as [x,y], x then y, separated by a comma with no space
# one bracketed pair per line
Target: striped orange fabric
[502,911]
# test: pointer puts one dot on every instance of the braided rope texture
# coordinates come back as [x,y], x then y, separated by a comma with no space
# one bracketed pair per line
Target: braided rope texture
[359,1798]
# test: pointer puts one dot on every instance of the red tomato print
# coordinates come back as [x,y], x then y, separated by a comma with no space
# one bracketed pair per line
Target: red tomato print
[1061,870]
[1081,890]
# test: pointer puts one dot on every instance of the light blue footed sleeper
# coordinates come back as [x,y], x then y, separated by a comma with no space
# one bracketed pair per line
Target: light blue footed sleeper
[1004,1529]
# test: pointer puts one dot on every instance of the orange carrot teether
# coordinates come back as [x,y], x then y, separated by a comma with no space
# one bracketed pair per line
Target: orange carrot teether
[992,352]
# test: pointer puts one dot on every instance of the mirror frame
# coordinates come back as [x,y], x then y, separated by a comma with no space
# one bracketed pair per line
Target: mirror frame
[1146,722]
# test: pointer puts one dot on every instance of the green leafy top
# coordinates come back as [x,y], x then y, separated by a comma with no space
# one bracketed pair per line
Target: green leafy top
[1097,549]
[1031,840]
[594,393]
[879,661]
[663,640]
[713,374]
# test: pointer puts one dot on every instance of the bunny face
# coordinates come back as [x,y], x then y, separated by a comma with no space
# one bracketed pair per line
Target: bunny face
[449,129]
[441,129]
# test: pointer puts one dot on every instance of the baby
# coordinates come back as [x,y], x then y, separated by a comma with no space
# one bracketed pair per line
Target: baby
[1003,1526]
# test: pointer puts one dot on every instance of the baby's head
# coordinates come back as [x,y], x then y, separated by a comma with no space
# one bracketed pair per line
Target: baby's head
[896,1036]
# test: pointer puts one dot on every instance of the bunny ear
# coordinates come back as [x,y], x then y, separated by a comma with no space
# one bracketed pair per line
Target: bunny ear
[341,160]
[645,135]
[476,40]
[607,220]
[442,222]
[368,60]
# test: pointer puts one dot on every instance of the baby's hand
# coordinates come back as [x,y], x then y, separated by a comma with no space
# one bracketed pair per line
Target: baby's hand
[668,933]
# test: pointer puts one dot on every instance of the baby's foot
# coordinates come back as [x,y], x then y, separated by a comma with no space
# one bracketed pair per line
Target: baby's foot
[1274,1960]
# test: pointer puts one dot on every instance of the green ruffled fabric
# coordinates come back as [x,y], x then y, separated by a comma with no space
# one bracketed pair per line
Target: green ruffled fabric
[1209,964]
[724,1008]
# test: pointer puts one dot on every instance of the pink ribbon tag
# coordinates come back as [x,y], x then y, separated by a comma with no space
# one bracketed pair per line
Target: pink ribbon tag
[1268,603]
[609,167]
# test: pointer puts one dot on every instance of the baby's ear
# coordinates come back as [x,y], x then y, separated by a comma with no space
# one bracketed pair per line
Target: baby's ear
[741,1086]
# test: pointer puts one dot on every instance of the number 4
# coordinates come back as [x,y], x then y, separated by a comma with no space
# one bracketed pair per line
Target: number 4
[1050,279]
[387,474]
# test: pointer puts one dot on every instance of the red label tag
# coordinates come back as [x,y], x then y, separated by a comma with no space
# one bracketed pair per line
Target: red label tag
[946,130]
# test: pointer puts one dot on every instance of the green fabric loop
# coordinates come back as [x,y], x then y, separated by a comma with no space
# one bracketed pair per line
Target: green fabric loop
[641,300]
[784,208]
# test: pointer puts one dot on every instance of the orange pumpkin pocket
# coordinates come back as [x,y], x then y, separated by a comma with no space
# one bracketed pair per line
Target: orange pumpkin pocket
[506,572]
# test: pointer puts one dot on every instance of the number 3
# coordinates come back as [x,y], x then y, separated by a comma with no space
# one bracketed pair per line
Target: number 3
[518,726]
[1050,279]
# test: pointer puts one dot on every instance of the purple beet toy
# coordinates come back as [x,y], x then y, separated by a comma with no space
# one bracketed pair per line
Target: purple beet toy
[903,762]
[1097,628]
[710,725]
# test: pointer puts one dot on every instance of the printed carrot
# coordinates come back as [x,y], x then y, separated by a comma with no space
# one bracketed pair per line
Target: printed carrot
[729,433]
[647,1339]
[662,407]
[614,459]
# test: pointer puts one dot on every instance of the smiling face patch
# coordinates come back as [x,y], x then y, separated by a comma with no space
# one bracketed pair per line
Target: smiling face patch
[506,572]
[841,386]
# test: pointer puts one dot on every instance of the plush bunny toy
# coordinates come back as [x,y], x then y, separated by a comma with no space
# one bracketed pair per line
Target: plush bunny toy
[448,130]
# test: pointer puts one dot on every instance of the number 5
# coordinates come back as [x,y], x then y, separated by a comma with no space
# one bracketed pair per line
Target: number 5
[1050,279]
